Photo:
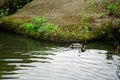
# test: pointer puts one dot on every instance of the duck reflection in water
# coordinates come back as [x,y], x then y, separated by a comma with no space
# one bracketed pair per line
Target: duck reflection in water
[80,47]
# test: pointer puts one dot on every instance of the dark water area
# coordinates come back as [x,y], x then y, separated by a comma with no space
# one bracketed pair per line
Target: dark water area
[22,58]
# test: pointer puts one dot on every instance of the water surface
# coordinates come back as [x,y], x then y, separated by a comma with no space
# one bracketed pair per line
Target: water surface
[27,59]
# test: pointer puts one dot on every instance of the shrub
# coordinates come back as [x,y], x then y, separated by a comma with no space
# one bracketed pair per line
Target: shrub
[3,13]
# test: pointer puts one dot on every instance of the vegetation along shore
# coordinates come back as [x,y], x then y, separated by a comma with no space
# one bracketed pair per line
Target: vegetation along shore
[63,20]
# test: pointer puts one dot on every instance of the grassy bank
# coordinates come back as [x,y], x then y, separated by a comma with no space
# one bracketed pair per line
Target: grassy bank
[85,22]
[54,34]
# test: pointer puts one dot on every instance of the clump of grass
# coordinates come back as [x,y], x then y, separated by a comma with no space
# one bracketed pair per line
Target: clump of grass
[29,28]
[38,22]
[84,17]
[111,8]
[47,28]
[38,26]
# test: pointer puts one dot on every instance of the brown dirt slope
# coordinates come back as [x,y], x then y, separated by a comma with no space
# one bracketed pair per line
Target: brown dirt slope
[59,12]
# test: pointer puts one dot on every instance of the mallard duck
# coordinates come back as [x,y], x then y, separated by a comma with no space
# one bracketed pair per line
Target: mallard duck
[78,46]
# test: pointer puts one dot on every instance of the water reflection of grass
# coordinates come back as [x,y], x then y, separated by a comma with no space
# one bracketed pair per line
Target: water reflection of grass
[103,45]
[18,52]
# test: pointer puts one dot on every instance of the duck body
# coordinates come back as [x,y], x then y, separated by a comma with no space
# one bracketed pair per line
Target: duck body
[79,46]
[75,45]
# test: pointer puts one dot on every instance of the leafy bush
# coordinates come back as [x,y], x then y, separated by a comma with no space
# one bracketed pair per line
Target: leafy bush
[11,6]
[15,5]
[3,13]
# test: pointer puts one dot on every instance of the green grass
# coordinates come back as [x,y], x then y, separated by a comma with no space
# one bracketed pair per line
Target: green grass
[48,32]
[29,28]
[111,8]
[38,26]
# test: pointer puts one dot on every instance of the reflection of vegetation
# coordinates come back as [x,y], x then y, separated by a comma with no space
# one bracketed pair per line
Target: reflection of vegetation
[18,52]
[1,74]
[42,53]
[109,55]
[101,45]
[118,73]
[5,68]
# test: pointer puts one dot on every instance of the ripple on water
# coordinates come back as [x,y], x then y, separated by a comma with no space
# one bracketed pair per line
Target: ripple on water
[67,65]
[61,65]
[26,59]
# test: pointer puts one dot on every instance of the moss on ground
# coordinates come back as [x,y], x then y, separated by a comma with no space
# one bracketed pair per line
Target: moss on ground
[58,35]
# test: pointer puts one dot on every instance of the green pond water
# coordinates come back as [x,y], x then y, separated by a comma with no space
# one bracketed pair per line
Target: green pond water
[22,58]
